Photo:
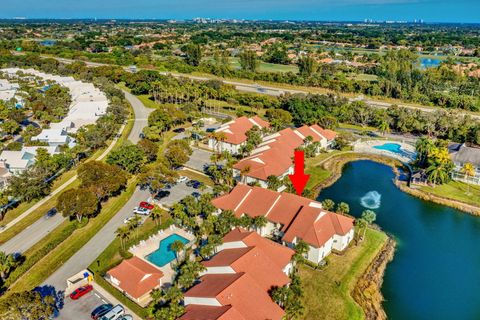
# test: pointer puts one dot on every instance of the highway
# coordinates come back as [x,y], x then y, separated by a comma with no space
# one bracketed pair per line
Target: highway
[277,91]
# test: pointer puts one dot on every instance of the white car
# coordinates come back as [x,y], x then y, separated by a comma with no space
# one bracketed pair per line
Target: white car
[182,179]
[128,219]
[141,211]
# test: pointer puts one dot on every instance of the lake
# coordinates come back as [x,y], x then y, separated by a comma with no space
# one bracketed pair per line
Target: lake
[435,273]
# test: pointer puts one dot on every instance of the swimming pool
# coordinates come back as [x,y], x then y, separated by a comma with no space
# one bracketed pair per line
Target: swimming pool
[392,147]
[164,254]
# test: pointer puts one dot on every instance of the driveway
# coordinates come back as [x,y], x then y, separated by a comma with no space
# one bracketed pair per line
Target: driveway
[141,116]
[199,159]
[92,249]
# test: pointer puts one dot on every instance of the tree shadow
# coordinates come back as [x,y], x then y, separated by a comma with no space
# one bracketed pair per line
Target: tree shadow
[50,291]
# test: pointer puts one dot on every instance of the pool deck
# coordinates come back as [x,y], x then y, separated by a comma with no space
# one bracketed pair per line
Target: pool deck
[369,147]
[148,246]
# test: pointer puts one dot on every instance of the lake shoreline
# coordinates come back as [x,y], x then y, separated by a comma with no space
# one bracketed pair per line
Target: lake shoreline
[367,292]
[335,166]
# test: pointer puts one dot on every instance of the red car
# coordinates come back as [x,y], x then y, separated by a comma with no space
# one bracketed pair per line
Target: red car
[146,205]
[79,292]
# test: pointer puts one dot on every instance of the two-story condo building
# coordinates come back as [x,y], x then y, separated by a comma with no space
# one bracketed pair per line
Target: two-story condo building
[231,136]
[291,218]
[273,157]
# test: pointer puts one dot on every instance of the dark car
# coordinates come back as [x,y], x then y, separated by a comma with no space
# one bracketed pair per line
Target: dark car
[191,183]
[197,185]
[52,212]
[162,194]
[209,130]
[80,292]
[100,311]
[196,194]
[179,130]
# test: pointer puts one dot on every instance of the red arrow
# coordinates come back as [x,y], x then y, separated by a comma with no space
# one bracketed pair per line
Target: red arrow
[299,178]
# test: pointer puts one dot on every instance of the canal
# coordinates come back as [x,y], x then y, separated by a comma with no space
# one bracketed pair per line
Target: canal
[435,273]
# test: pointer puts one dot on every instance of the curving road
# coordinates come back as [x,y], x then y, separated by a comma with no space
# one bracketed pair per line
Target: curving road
[92,249]
[42,227]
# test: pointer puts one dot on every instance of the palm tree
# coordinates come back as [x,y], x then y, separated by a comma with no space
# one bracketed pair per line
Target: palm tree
[123,233]
[369,217]
[469,171]
[259,222]
[384,127]
[7,262]
[134,224]
[243,173]
[301,249]
[177,246]
[343,208]
[273,183]
[156,215]
[328,204]
[423,147]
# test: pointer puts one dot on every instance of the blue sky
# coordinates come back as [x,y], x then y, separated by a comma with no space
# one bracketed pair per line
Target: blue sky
[429,10]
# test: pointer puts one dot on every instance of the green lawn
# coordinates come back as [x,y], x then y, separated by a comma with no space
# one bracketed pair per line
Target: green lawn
[327,292]
[147,102]
[456,190]
[313,167]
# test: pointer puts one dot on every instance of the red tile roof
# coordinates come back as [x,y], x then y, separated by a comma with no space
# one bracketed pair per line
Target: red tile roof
[279,254]
[136,276]
[235,131]
[300,217]
[200,312]
[274,155]
[253,261]
[241,292]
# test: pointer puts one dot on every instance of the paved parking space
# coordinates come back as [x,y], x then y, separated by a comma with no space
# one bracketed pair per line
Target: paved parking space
[82,308]
[199,159]
[178,192]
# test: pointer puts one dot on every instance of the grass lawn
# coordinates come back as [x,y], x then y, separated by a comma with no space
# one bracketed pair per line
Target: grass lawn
[197,176]
[327,292]
[314,168]
[145,98]
[456,190]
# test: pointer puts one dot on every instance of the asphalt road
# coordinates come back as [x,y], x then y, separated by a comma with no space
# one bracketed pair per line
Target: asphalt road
[92,249]
[32,234]
[141,116]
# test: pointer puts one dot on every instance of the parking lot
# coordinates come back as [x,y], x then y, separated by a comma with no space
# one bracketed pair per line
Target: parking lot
[81,308]
[199,159]
[178,192]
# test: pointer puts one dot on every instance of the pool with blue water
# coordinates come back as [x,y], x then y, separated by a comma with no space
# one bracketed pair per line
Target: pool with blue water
[164,254]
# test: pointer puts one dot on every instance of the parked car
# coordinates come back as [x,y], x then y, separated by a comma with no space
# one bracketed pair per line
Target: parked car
[197,185]
[182,179]
[196,194]
[101,310]
[191,183]
[79,292]
[162,194]
[179,130]
[209,130]
[116,313]
[52,212]
[141,211]
[126,317]
[128,219]
[146,205]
